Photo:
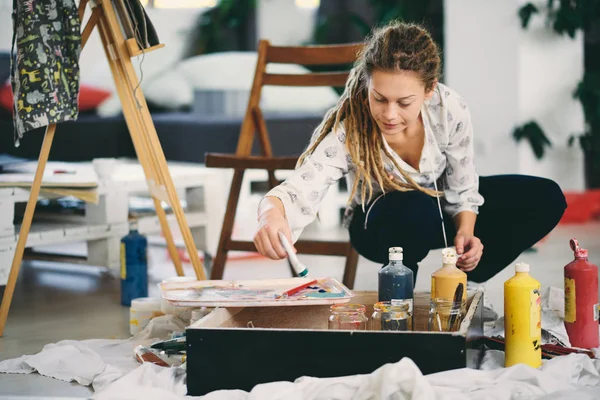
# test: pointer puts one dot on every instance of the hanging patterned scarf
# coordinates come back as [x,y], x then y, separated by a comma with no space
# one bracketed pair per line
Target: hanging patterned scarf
[45,68]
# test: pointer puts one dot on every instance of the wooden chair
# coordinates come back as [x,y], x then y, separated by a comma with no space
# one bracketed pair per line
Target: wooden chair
[254,122]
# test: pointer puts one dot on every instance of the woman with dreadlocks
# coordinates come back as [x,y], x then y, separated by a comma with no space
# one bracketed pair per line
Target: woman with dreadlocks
[404,142]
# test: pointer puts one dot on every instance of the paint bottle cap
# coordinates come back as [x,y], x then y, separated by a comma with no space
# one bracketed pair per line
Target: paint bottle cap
[133,225]
[578,251]
[522,267]
[448,256]
[396,254]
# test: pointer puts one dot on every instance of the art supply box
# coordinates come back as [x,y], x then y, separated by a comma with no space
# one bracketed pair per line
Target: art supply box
[240,347]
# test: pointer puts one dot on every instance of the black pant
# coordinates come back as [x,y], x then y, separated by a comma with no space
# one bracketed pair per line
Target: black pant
[518,212]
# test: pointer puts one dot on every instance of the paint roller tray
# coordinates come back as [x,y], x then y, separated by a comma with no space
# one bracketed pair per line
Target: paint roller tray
[255,293]
[241,347]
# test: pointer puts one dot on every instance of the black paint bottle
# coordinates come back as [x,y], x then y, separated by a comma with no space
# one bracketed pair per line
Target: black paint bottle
[396,280]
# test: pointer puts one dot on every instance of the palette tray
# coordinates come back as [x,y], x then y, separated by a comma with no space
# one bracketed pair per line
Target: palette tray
[255,293]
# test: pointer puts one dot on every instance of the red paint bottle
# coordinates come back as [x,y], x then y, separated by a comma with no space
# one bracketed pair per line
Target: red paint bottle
[581,299]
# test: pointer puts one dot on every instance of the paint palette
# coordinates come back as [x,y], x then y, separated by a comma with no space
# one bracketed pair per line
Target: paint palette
[255,293]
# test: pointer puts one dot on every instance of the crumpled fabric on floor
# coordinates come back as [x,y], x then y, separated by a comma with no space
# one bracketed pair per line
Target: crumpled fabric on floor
[96,362]
[563,378]
[109,366]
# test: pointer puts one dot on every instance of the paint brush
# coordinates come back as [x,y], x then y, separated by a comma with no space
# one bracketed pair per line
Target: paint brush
[295,290]
[456,303]
[300,268]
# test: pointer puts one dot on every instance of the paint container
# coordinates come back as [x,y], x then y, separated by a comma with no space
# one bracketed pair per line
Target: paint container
[143,355]
[391,317]
[134,265]
[446,315]
[396,280]
[522,319]
[446,281]
[348,317]
[581,299]
[183,313]
[142,310]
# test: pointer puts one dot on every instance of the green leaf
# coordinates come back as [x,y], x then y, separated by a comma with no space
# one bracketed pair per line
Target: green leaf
[571,140]
[526,12]
[536,137]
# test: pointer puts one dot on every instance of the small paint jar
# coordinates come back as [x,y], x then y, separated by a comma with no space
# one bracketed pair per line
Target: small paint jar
[348,317]
[391,316]
[446,315]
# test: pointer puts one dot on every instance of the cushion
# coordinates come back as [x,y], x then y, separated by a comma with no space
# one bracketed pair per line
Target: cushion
[235,71]
[6,100]
[89,97]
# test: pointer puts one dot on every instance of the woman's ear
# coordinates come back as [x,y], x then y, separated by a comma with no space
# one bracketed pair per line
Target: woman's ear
[429,92]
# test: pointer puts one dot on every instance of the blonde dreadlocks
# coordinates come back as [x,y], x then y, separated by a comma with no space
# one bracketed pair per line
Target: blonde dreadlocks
[393,48]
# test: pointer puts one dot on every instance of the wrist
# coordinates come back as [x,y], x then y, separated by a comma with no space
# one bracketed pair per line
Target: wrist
[464,230]
[270,205]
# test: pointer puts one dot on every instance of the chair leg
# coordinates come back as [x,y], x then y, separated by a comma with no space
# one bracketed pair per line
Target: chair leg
[350,268]
[218,266]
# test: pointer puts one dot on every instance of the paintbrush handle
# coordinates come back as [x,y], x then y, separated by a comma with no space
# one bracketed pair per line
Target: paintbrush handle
[296,264]
[295,290]
[458,294]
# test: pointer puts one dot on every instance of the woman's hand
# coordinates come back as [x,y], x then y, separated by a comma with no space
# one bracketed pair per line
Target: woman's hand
[271,220]
[470,248]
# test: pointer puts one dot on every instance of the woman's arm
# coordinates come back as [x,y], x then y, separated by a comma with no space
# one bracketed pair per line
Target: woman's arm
[300,195]
[461,189]
[465,222]
[461,182]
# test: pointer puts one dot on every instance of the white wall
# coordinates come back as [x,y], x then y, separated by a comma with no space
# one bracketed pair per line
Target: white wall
[510,76]
[5,24]
[481,53]
[283,23]
[550,68]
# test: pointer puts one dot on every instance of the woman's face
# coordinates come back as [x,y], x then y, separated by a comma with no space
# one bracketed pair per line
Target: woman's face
[395,100]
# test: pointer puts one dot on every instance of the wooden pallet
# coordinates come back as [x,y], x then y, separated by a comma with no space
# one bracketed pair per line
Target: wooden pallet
[106,222]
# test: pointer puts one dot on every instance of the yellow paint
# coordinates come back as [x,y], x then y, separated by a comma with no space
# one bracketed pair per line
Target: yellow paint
[522,321]
[134,322]
[570,306]
[445,280]
[123,268]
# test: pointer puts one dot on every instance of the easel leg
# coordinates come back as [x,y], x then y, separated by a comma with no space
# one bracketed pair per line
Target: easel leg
[141,151]
[147,131]
[218,266]
[26,226]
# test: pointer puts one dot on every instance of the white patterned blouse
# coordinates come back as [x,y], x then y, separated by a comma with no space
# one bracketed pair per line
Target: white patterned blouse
[446,162]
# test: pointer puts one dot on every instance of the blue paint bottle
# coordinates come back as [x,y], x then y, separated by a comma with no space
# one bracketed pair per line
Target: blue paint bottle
[396,280]
[134,266]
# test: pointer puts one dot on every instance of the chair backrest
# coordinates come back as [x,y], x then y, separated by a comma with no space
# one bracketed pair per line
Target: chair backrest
[324,55]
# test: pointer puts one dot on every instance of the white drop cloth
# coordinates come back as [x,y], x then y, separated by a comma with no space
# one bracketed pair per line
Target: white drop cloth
[109,366]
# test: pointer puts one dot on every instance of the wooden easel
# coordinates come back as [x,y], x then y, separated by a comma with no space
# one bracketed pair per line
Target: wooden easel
[119,50]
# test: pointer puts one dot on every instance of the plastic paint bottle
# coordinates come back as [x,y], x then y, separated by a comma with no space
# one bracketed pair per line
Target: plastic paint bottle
[134,266]
[581,299]
[396,280]
[446,280]
[522,319]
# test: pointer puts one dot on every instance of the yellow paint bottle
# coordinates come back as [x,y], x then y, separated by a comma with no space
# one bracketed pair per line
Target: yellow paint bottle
[522,319]
[445,280]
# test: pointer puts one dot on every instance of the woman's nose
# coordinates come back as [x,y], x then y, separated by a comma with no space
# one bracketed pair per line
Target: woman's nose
[390,112]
